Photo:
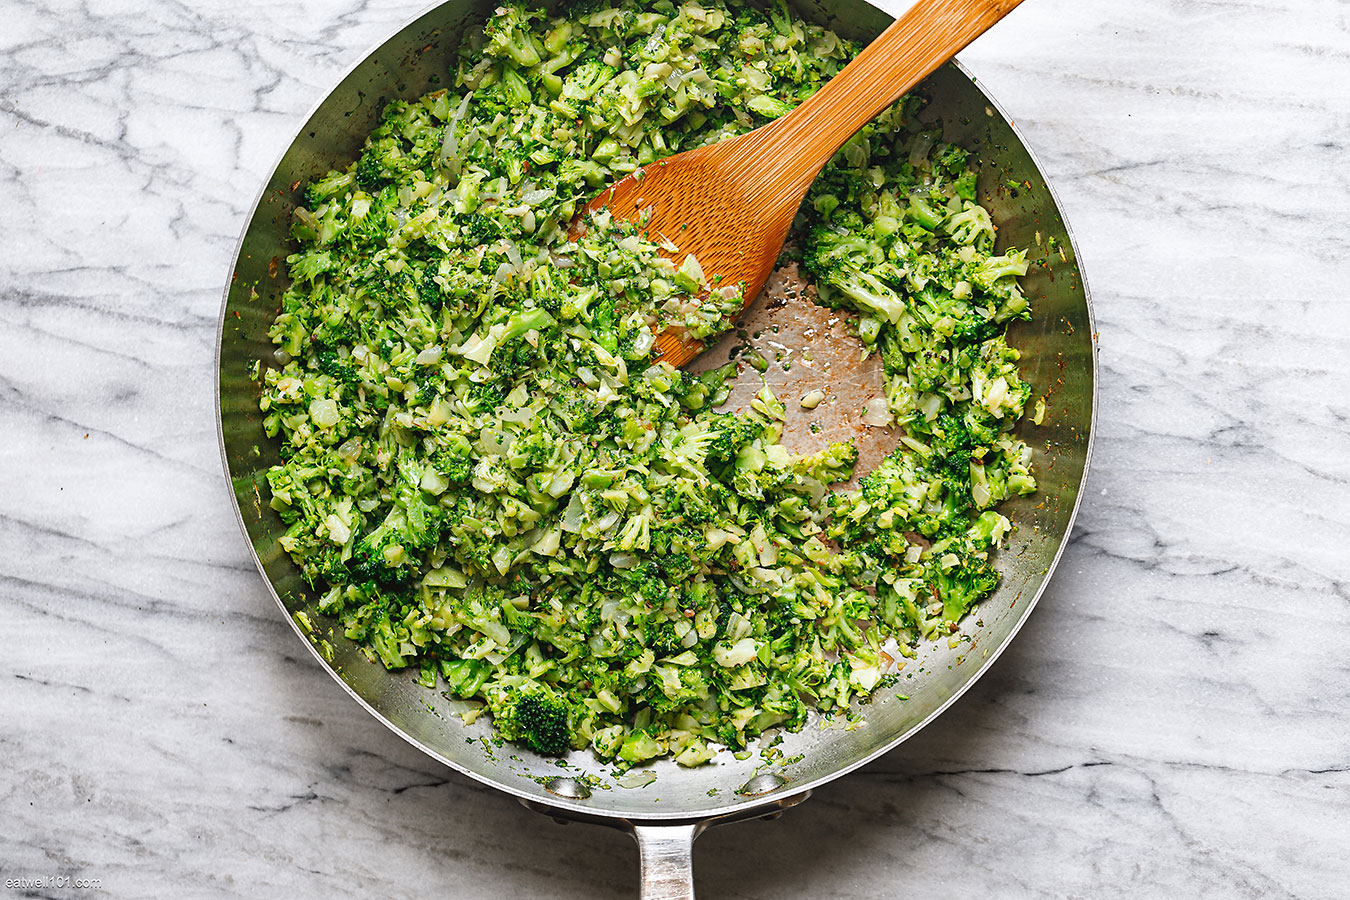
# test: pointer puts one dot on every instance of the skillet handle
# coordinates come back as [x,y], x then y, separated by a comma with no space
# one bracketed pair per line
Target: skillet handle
[667,853]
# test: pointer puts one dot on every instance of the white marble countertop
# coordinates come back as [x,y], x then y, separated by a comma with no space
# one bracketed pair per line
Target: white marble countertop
[1174,721]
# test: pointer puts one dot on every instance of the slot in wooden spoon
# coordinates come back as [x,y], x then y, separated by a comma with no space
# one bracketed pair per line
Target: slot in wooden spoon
[731,203]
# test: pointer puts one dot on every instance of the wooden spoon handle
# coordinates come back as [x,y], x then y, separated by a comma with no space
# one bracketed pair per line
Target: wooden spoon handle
[793,149]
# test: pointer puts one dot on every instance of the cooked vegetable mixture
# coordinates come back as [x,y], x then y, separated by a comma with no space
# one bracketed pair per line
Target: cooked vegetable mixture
[492,482]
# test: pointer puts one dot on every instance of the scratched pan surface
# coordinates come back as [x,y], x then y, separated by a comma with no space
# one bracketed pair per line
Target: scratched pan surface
[1059,362]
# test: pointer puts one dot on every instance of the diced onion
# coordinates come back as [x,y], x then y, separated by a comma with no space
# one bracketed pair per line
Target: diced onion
[571,520]
[350,449]
[922,144]
[877,413]
[979,492]
[324,412]
[338,532]
[643,342]
[450,146]
[737,654]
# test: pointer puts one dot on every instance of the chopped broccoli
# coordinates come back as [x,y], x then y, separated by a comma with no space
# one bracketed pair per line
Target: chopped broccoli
[730,434]
[510,34]
[492,480]
[837,261]
[456,466]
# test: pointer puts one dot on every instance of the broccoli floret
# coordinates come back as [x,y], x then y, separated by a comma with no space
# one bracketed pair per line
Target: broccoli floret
[731,432]
[370,172]
[880,486]
[1012,264]
[975,329]
[532,451]
[868,293]
[962,588]
[581,174]
[585,79]
[837,260]
[603,329]
[577,304]
[334,184]
[508,34]
[308,266]
[830,465]
[491,101]
[676,565]
[951,447]
[694,506]
[548,293]
[971,225]
[467,287]
[465,677]
[455,464]
[675,687]
[650,584]
[392,291]
[833,195]
[966,186]
[669,544]
[331,364]
[426,391]
[485,396]
[662,639]
[510,360]
[335,327]
[428,290]
[581,416]
[537,719]
[327,564]
[950,159]
[479,229]
[385,636]
[374,226]
[386,556]
[379,560]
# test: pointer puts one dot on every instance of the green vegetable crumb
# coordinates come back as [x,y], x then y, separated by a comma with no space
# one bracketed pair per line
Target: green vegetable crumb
[491,482]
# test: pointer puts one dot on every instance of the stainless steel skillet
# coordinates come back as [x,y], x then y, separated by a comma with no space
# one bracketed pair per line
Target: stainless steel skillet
[664,806]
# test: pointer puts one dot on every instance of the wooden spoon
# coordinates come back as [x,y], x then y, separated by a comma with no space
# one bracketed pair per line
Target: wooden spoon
[731,203]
